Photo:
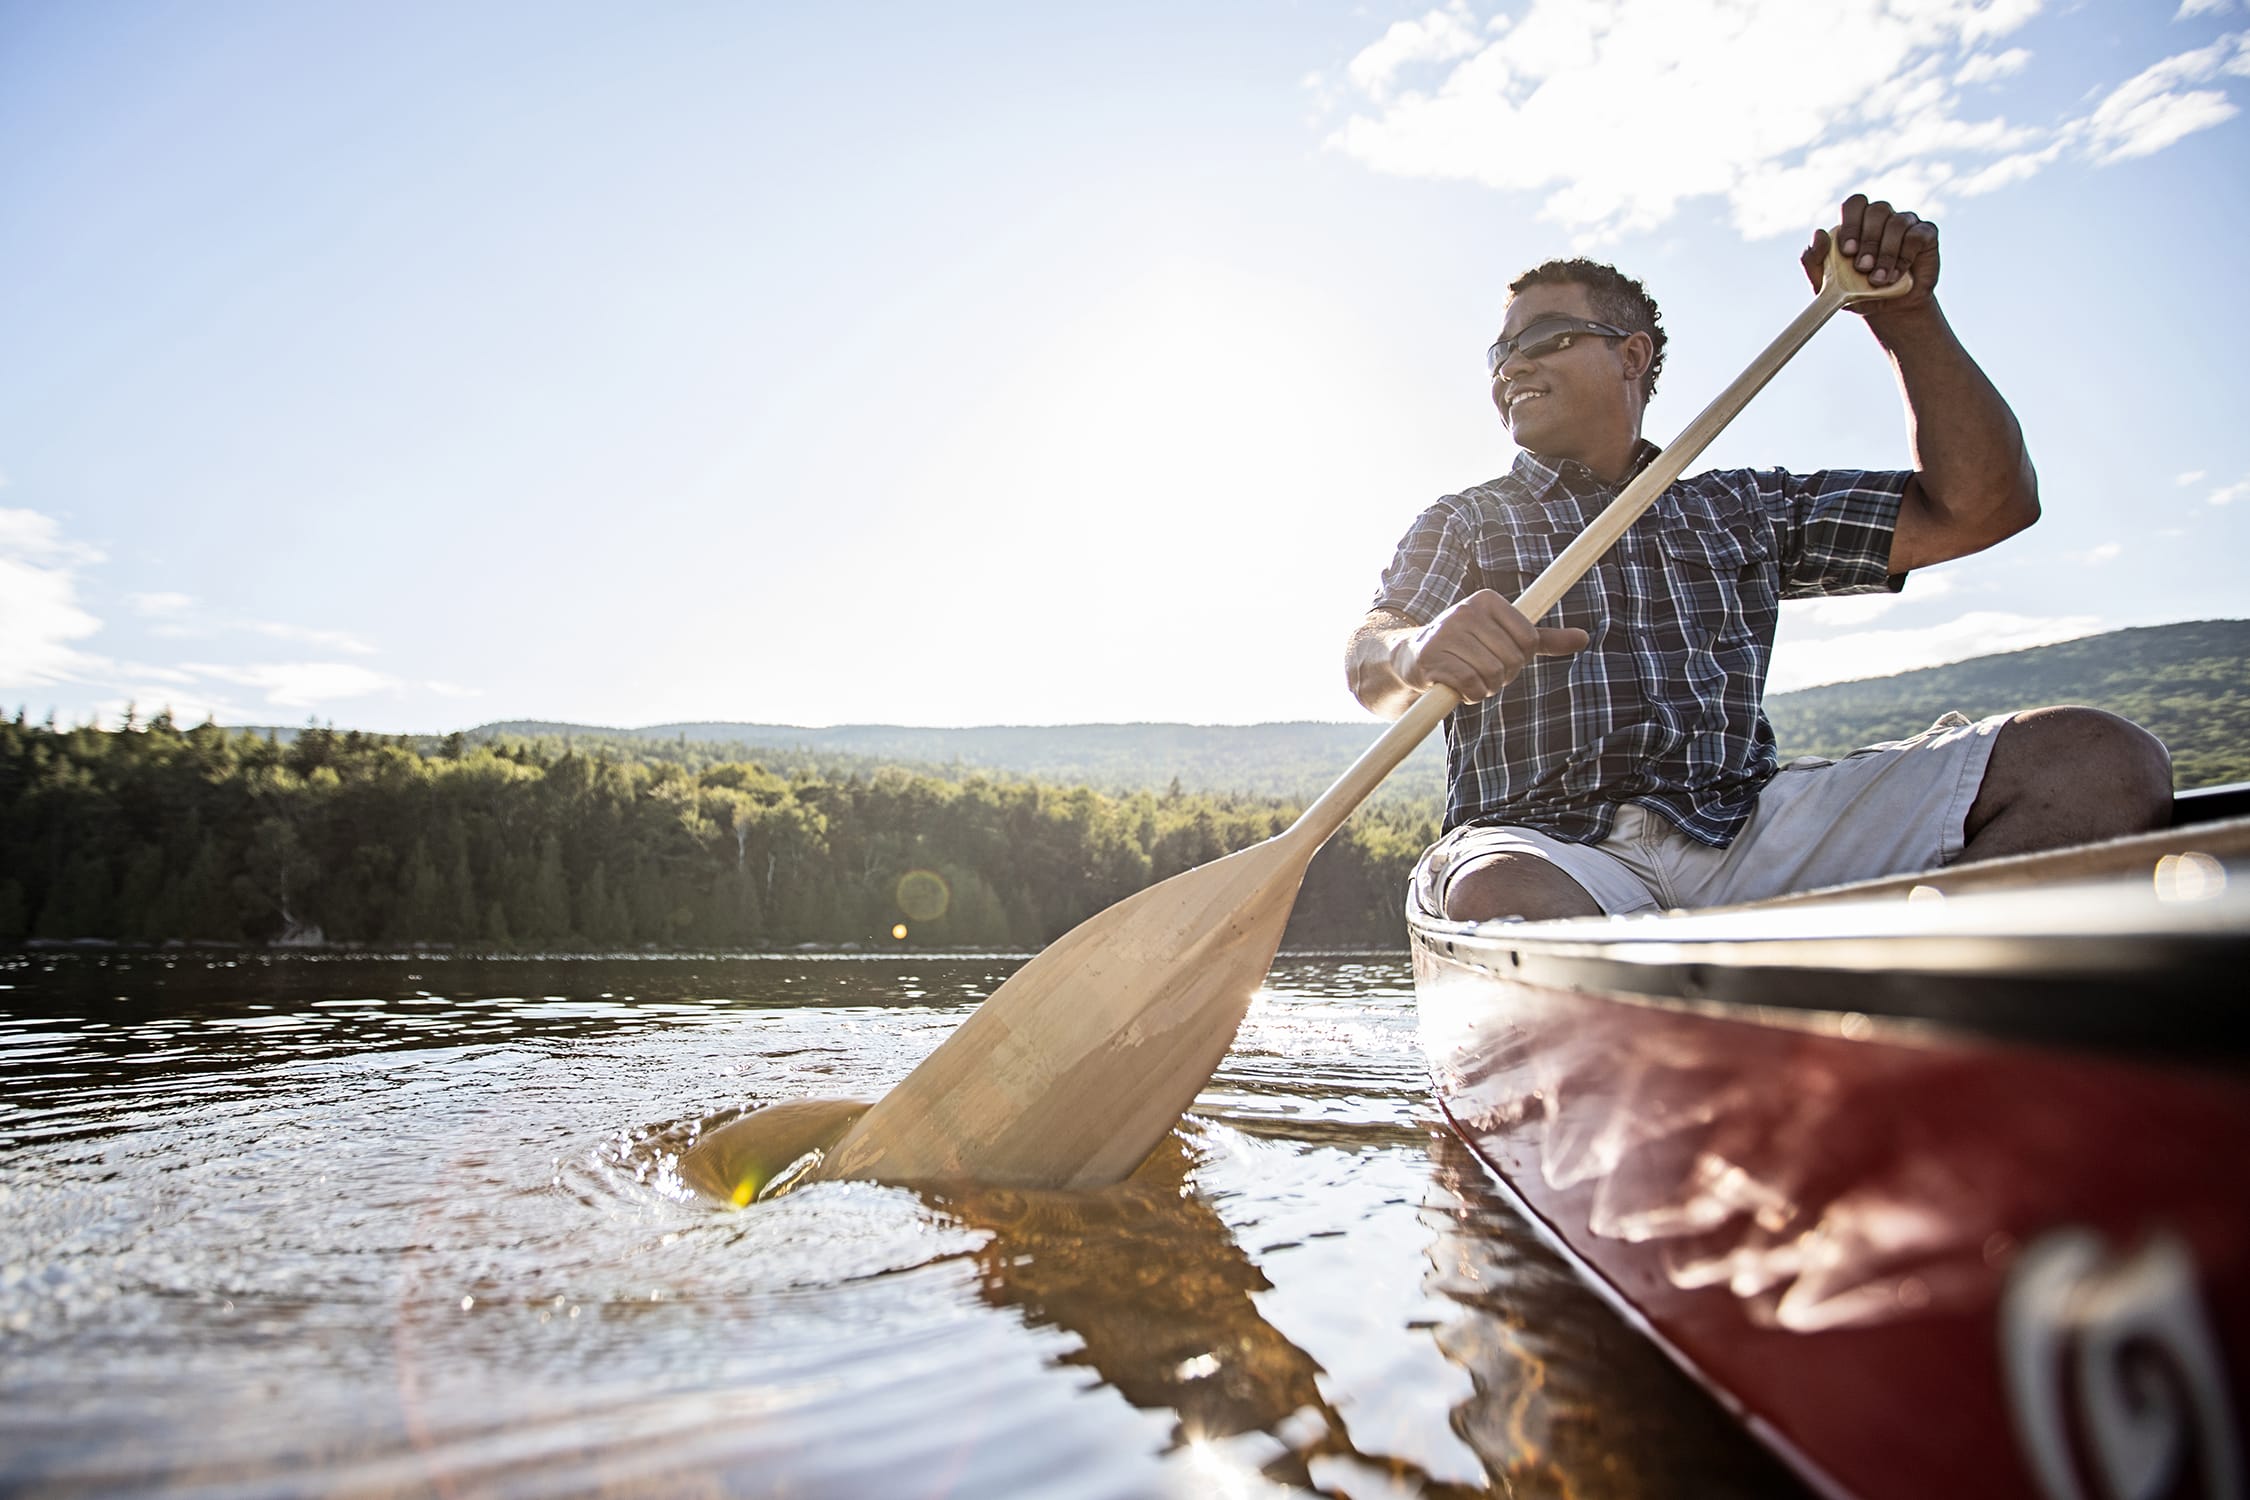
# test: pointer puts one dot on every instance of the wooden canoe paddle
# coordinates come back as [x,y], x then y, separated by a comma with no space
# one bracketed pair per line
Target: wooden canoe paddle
[1073,1070]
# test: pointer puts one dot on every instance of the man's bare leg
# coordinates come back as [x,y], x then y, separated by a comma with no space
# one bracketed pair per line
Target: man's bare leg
[2061,776]
[1515,885]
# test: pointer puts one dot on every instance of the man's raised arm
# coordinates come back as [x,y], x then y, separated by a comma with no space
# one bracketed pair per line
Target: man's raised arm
[1973,481]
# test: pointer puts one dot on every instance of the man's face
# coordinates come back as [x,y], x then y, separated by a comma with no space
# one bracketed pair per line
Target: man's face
[1581,402]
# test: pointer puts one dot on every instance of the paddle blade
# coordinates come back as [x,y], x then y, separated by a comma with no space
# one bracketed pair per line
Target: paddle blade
[1069,1074]
[740,1159]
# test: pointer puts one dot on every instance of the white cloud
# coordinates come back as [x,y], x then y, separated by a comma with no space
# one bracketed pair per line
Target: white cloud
[334,640]
[1440,36]
[42,619]
[1612,111]
[2238,490]
[2192,476]
[302,684]
[2153,109]
[2008,169]
[28,534]
[1983,67]
[1879,653]
[2189,9]
[453,690]
[40,616]
[1995,18]
[2095,556]
[169,610]
[148,672]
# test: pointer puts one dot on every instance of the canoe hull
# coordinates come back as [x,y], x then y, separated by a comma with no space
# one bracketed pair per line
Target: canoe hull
[1915,1262]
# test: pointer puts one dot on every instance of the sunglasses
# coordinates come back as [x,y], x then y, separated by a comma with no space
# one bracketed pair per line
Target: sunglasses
[1544,337]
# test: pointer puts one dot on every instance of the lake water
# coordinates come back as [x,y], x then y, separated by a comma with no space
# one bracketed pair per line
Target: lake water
[360,1227]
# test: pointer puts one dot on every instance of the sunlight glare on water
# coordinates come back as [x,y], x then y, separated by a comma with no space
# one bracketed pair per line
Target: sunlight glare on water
[364,1226]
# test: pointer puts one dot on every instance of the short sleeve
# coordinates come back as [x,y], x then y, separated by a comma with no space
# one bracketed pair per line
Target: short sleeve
[1430,572]
[1833,529]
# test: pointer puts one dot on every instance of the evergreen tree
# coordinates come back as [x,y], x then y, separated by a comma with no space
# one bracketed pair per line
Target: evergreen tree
[422,911]
[15,926]
[204,893]
[549,897]
[143,891]
[463,925]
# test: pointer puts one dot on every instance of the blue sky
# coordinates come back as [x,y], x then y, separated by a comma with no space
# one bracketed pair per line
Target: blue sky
[414,366]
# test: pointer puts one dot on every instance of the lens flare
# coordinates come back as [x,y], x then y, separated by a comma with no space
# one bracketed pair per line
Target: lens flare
[2189,877]
[923,895]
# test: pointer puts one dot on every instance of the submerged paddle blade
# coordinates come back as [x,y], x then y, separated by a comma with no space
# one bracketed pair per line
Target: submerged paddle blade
[1070,1073]
[737,1162]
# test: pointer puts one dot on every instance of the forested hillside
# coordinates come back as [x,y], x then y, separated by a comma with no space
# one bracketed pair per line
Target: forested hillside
[153,833]
[2190,683]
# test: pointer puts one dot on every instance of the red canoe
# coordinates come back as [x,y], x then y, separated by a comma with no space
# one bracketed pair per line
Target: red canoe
[1942,1185]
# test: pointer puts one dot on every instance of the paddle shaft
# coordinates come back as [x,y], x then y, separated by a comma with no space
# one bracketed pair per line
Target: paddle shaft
[1839,286]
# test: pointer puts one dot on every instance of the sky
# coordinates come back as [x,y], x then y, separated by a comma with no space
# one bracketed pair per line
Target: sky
[414,366]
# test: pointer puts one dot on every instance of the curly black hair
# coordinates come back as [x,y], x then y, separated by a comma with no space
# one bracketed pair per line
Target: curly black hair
[1616,297]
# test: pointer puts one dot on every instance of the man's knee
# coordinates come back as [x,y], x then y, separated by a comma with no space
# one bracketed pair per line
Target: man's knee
[2117,771]
[1515,885]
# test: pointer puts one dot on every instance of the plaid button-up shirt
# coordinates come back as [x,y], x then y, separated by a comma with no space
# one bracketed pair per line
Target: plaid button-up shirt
[1664,706]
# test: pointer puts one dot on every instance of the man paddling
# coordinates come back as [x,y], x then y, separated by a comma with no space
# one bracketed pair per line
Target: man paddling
[1616,757]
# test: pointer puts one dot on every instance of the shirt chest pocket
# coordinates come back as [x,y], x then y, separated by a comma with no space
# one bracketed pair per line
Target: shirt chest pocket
[1715,546]
[1721,582]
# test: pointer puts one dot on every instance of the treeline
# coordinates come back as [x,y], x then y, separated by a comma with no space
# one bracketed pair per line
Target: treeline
[1275,760]
[151,832]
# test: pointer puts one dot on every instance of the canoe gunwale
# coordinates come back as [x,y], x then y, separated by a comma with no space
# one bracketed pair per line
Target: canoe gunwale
[2175,1010]
[2093,963]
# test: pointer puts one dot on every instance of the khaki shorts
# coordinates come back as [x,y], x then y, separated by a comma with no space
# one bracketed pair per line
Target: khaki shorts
[1889,809]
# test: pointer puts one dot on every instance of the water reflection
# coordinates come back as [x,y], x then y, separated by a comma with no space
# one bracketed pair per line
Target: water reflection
[1568,1401]
[1160,1300]
[402,1227]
